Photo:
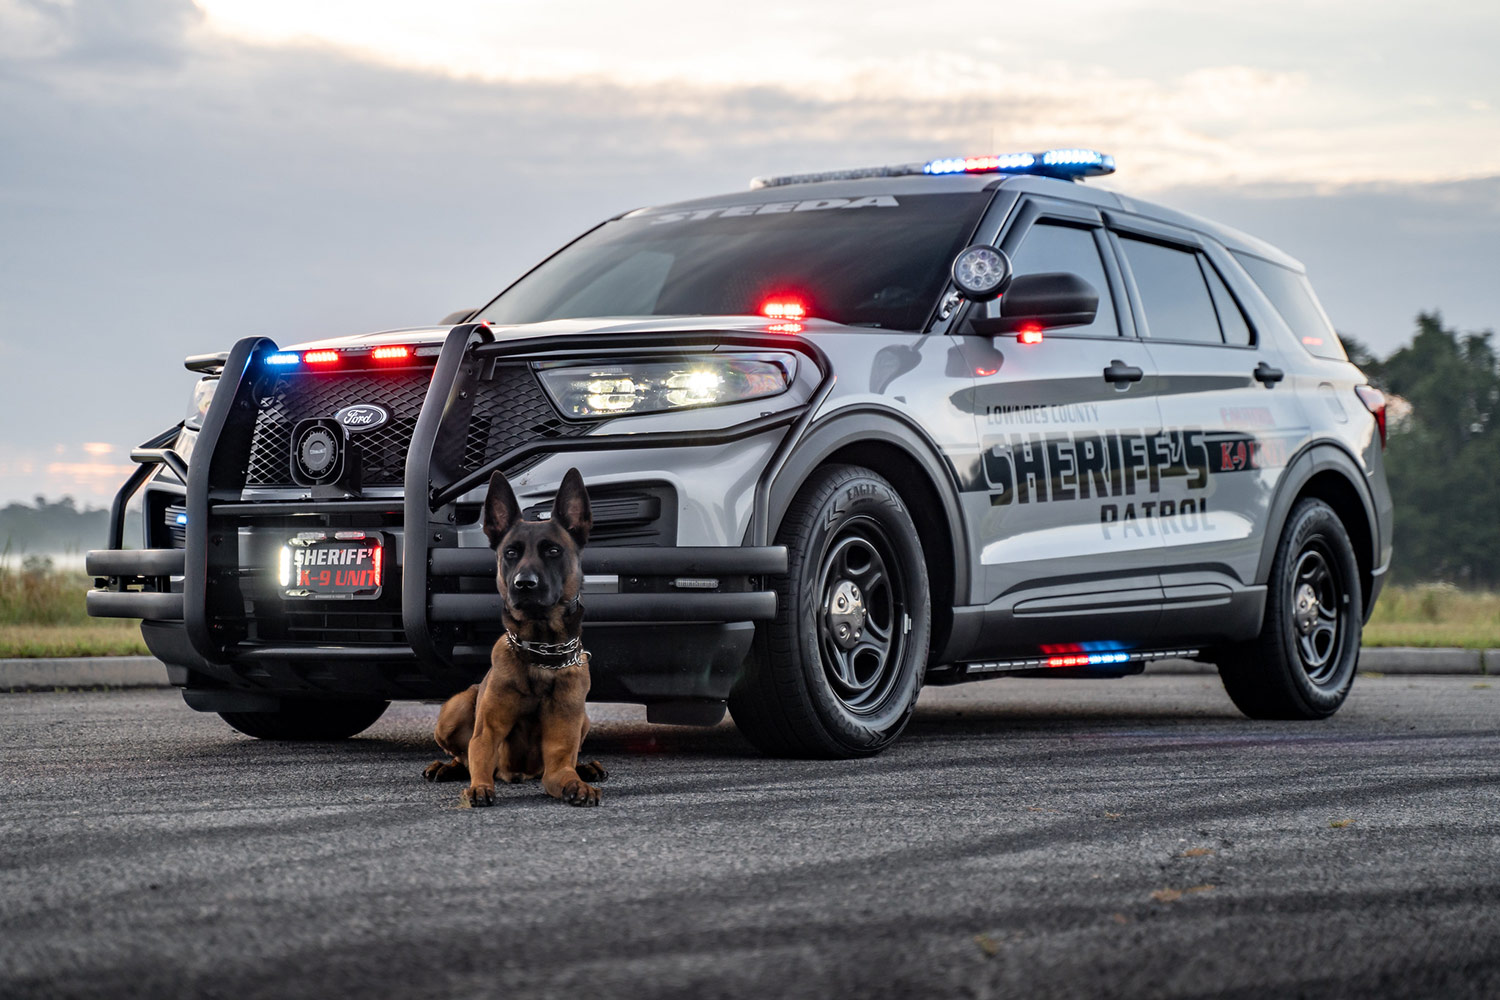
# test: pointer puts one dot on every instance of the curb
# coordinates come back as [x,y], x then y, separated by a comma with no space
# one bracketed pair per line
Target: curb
[148,672]
[1405,660]
[82,672]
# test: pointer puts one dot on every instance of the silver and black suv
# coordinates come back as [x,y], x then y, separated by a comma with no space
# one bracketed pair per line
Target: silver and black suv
[843,433]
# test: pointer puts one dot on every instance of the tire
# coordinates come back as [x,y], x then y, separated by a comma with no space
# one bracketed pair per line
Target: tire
[826,683]
[1302,664]
[320,721]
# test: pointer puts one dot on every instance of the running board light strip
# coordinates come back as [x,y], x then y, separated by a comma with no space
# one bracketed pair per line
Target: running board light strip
[1075,660]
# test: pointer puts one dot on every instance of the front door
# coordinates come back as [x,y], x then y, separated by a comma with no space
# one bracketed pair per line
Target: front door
[1067,431]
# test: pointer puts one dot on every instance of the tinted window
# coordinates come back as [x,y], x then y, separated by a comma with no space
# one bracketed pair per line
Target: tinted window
[1231,318]
[1050,247]
[1173,294]
[1293,297]
[876,261]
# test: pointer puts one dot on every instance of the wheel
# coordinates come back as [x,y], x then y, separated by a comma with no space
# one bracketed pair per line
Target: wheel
[836,673]
[309,720]
[1301,666]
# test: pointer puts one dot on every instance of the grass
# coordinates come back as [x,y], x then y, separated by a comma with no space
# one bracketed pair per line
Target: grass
[42,614]
[103,637]
[1435,614]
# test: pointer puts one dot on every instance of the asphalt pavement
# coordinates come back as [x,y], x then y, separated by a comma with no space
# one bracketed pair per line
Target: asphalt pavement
[1028,838]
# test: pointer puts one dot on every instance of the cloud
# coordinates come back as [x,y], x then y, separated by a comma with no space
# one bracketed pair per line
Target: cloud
[169,186]
[97,33]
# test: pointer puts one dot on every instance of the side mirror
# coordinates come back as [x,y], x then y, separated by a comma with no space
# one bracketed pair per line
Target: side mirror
[1042,301]
[455,318]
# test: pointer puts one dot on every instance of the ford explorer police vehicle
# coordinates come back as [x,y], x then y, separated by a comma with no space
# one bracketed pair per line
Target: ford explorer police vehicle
[844,434]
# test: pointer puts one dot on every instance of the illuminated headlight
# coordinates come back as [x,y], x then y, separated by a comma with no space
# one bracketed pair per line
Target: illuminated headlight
[203,394]
[650,387]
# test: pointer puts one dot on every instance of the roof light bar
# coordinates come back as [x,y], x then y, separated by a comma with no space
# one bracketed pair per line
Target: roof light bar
[284,359]
[1070,164]
[390,353]
[321,357]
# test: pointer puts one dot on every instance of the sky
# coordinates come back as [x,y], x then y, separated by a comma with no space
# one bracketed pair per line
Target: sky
[176,175]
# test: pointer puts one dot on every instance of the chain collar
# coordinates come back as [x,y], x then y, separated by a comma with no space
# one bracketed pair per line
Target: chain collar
[569,654]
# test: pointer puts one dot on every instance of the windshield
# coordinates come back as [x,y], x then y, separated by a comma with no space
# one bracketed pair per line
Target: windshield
[875,261]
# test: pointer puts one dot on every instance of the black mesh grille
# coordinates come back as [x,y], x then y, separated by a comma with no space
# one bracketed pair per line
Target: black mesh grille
[382,451]
[511,410]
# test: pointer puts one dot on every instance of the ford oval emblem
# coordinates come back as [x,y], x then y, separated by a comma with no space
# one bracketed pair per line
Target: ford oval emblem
[362,417]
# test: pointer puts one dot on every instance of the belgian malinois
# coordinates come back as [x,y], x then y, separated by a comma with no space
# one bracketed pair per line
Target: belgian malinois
[526,719]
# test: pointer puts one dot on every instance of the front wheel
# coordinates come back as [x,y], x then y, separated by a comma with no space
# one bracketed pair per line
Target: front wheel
[836,673]
[309,720]
[1302,664]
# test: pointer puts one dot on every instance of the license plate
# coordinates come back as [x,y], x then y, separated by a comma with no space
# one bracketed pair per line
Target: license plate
[347,565]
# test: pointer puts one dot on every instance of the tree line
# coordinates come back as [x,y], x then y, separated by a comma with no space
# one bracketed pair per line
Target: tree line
[1443,456]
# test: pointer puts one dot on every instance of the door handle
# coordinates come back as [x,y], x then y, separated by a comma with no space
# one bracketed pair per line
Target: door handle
[1268,376]
[1119,371]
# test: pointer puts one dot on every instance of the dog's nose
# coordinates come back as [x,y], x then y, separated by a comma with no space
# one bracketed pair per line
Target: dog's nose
[525,582]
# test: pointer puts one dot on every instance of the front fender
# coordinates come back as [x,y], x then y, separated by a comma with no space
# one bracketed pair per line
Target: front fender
[865,432]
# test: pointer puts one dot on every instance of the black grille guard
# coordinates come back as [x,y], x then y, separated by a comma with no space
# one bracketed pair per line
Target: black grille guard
[137,583]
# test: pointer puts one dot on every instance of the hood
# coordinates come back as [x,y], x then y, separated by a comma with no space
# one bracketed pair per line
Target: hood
[581,327]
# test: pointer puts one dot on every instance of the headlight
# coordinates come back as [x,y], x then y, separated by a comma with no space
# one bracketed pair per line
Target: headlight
[203,394]
[653,386]
[186,438]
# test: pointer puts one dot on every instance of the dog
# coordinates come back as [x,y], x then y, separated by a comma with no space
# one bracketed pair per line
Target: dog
[526,718]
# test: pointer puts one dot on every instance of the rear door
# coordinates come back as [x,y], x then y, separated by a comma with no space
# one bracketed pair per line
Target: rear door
[1223,395]
[1066,429]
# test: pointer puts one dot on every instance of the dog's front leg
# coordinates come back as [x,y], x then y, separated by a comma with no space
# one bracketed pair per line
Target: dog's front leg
[562,734]
[492,724]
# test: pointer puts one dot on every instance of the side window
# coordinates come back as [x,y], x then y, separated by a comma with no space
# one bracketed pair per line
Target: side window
[1174,295]
[1049,247]
[1231,317]
[1293,297]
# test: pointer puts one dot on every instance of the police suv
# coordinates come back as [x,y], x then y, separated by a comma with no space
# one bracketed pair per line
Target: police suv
[844,434]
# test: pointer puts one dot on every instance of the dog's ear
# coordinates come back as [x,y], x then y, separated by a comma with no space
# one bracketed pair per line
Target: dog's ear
[571,509]
[500,509]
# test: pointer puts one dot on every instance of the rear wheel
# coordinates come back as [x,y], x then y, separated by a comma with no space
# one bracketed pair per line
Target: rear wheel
[837,672]
[309,720]
[1302,664]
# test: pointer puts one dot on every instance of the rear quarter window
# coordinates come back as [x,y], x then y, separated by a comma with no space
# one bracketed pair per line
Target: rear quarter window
[1292,295]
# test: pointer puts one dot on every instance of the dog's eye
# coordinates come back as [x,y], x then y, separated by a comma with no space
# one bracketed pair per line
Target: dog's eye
[512,554]
[552,551]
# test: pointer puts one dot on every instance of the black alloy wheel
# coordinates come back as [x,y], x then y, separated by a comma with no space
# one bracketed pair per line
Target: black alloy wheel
[836,673]
[1302,664]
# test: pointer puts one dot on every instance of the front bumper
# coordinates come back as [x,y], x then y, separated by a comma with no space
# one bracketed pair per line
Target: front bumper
[677,626]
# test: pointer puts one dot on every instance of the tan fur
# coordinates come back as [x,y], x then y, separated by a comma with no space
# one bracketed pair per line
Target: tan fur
[525,720]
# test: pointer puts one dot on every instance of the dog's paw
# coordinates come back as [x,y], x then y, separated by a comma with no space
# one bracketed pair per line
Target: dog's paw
[579,793]
[475,797]
[446,770]
[592,771]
